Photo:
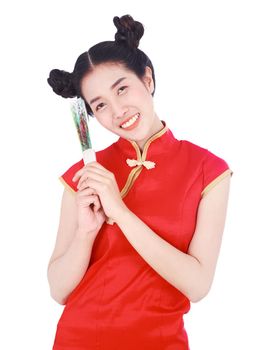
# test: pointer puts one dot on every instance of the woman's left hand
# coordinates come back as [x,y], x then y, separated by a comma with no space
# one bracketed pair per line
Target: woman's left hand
[103,181]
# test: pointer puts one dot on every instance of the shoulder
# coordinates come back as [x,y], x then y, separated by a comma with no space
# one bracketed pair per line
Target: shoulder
[200,153]
[194,150]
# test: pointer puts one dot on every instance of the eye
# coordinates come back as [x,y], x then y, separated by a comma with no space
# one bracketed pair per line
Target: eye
[99,106]
[122,88]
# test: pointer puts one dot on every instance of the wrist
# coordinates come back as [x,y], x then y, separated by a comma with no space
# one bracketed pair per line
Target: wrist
[122,214]
[85,235]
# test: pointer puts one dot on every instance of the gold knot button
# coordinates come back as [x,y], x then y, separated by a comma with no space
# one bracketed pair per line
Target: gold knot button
[146,163]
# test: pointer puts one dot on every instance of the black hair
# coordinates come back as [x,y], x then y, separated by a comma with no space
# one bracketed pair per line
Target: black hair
[123,50]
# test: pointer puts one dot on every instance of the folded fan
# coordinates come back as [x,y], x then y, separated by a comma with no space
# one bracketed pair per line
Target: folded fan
[81,121]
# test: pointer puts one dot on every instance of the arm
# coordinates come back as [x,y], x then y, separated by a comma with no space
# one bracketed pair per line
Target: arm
[191,273]
[71,255]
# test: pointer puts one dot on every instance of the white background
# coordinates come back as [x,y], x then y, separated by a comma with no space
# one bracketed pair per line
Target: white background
[209,63]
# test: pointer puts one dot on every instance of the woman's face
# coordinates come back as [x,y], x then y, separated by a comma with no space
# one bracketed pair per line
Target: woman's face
[115,95]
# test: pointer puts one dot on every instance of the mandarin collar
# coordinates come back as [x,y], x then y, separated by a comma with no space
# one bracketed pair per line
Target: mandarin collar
[158,143]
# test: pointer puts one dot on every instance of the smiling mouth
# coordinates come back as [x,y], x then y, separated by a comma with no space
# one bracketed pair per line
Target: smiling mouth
[130,122]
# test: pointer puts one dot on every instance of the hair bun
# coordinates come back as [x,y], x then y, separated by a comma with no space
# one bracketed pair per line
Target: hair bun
[61,83]
[129,31]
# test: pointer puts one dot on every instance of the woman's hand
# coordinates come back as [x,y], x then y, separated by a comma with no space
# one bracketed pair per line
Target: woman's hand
[90,219]
[94,176]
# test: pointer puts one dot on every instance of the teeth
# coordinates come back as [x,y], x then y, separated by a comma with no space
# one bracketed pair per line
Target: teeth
[131,121]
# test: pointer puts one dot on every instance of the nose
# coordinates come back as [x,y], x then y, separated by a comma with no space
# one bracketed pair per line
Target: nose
[118,110]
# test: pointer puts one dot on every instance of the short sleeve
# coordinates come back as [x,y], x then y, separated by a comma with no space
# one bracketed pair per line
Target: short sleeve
[214,170]
[66,177]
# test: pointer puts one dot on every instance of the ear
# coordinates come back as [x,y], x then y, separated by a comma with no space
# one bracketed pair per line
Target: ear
[148,79]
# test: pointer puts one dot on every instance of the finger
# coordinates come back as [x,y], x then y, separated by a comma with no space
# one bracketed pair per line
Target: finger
[96,185]
[89,192]
[99,169]
[83,184]
[85,201]
[97,204]
[86,191]
[79,173]
[93,180]
[95,167]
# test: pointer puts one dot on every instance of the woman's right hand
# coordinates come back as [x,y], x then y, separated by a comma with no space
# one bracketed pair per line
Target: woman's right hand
[90,213]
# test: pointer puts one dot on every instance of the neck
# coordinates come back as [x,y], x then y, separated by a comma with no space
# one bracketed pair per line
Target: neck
[156,127]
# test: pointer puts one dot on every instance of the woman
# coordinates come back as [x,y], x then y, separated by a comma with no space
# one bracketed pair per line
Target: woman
[126,283]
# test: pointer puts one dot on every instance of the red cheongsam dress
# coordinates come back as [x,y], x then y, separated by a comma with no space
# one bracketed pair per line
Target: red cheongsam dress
[122,303]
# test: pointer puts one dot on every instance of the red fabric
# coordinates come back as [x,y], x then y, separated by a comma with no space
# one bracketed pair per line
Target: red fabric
[212,166]
[121,302]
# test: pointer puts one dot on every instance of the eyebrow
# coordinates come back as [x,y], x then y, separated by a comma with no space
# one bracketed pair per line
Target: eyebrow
[112,87]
